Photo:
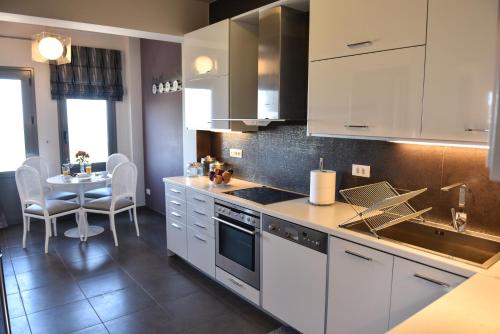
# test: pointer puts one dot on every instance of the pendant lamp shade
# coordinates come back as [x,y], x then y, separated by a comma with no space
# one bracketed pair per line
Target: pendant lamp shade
[54,48]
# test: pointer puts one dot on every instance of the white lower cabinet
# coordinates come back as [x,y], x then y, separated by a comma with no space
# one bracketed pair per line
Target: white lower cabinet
[201,251]
[359,289]
[177,238]
[415,286]
[370,291]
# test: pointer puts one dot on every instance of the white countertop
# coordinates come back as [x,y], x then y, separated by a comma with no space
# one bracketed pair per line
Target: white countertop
[472,307]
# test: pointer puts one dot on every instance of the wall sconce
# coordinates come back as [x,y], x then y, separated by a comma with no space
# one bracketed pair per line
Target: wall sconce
[203,64]
[166,87]
[47,47]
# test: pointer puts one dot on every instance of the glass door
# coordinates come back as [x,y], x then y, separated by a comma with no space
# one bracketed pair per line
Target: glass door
[18,134]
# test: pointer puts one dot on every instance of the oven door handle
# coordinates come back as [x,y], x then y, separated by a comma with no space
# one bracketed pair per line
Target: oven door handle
[235,226]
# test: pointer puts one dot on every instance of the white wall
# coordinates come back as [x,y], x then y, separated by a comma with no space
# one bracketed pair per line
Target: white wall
[17,53]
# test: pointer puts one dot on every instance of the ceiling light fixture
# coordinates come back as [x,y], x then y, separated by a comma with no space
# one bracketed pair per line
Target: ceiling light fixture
[54,48]
[446,144]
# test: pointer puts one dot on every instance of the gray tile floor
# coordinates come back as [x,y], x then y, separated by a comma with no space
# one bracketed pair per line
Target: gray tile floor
[95,287]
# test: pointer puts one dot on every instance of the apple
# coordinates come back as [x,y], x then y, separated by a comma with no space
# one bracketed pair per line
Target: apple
[211,176]
[226,176]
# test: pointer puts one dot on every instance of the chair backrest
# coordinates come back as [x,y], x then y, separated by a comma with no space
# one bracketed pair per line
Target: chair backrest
[42,166]
[29,186]
[114,160]
[124,181]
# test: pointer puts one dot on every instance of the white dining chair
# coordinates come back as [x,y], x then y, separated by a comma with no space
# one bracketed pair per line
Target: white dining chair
[112,161]
[123,198]
[42,166]
[35,205]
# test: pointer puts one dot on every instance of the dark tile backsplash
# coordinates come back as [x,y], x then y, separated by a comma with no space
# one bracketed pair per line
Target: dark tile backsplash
[283,155]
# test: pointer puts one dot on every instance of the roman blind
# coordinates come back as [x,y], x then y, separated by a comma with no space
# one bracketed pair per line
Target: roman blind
[92,74]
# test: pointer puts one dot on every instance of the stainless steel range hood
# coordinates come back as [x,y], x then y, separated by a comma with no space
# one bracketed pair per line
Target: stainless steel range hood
[282,67]
[282,41]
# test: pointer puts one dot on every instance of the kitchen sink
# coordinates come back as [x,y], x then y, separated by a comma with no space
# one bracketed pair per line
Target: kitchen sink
[466,247]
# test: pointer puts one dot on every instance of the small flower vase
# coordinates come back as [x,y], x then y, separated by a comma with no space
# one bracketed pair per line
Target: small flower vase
[82,167]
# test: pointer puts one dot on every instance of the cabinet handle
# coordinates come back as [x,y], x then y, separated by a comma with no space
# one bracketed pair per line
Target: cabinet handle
[359,44]
[176,226]
[175,214]
[358,255]
[235,282]
[199,225]
[200,238]
[199,212]
[476,130]
[432,280]
[175,203]
[199,200]
[356,126]
[175,191]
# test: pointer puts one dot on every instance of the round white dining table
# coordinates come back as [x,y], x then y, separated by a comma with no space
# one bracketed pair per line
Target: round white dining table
[79,186]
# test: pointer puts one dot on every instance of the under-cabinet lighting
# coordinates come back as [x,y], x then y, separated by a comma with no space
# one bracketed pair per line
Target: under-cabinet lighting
[224,131]
[435,143]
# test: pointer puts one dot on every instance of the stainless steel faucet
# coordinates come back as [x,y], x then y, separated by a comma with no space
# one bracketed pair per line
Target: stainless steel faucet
[459,218]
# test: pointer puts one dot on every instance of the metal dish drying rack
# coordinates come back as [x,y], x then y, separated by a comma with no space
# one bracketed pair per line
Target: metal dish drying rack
[380,205]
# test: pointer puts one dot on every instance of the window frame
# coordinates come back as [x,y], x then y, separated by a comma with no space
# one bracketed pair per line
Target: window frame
[26,75]
[64,135]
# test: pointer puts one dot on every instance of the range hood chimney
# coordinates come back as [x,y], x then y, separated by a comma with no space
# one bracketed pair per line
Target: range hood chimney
[282,65]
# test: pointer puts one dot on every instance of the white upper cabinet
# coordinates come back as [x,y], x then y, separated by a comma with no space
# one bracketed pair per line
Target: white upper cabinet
[415,286]
[205,52]
[219,64]
[459,69]
[346,27]
[370,95]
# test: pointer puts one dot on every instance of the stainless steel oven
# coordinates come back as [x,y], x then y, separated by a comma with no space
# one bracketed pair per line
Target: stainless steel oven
[237,238]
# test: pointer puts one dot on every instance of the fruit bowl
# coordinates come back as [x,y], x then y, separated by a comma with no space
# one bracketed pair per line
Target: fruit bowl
[220,176]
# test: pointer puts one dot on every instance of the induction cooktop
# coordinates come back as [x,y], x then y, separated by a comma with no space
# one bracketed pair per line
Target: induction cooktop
[265,195]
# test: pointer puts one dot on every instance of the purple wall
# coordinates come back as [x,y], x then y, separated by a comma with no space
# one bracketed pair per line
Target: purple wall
[162,118]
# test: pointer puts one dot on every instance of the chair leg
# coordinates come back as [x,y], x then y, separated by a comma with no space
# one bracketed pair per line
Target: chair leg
[130,215]
[54,224]
[25,229]
[136,222]
[113,228]
[28,223]
[47,234]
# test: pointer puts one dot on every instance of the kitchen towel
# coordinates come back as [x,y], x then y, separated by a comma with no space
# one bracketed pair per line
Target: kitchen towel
[322,187]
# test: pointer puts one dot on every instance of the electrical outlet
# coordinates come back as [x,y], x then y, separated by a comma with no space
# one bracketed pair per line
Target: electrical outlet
[148,191]
[235,153]
[361,170]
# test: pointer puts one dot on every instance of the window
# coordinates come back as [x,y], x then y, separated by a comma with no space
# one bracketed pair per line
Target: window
[18,135]
[87,125]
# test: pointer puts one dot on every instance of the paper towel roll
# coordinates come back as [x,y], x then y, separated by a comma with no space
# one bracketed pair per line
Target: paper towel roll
[322,187]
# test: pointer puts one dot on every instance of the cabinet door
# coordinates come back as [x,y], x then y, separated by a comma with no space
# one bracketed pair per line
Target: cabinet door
[377,94]
[205,52]
[459,69]
[359,290]
[347,27]
[177,237]
[204,100]
[415,286]
[201,251]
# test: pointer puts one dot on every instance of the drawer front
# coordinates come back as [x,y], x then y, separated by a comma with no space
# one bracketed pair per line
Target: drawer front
[201,212]
[175,204]
[175,191]
[177,238]
[414,286]
[176,216]
[201,251]
[199,200]
[238,286]
[201,224]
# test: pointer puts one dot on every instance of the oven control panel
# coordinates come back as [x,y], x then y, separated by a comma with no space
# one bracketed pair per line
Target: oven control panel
[301,235]
[243,215]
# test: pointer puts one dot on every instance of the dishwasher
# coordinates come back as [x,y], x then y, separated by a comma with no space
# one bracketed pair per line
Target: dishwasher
[294,270]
